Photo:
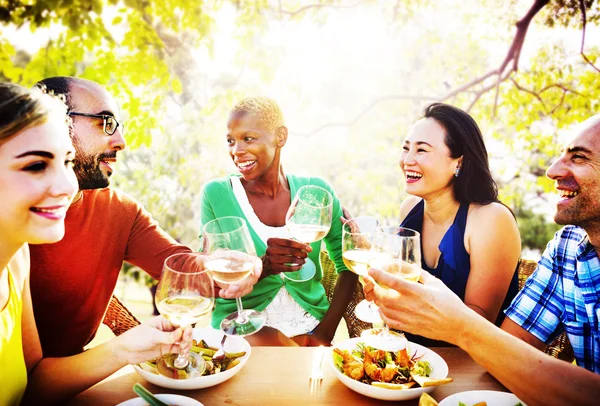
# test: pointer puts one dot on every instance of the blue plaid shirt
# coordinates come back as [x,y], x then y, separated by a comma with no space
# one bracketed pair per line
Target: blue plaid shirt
[563,294]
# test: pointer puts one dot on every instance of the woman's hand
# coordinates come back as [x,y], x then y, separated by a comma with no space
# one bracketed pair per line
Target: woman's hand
[312,340]
[428,308]
[243,287]
[151,339]
[284,255]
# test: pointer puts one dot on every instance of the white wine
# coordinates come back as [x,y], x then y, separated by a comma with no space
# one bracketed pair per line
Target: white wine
[357,261]
[403,269]
[230,266]
[184,310]
[308,232]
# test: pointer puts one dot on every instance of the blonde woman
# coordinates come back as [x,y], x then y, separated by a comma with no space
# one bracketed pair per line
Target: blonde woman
[37,184]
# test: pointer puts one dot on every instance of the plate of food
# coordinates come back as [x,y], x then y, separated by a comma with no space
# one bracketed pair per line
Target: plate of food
[206,343]
[388,375]
[167,398]
[482,398]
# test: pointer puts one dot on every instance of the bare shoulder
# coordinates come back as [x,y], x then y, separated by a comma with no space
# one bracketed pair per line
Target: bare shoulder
[407,205]
[493,216]
[490,212]
[19,265]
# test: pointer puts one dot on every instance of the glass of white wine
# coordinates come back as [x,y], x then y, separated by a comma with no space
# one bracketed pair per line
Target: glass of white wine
[358,235]
[308,220]
[399,253]
[232,258]
[185,293]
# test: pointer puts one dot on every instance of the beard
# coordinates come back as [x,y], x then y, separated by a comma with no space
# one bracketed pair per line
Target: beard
[88,172]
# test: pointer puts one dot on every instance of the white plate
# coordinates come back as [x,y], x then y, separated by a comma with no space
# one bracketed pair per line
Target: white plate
[171,399]
[213,338]
[491,397]
[438,365]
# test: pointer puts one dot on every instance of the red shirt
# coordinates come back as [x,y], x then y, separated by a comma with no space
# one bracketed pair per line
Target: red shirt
[73,280]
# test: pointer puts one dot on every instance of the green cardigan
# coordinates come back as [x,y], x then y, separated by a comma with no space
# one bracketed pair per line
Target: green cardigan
[218,200]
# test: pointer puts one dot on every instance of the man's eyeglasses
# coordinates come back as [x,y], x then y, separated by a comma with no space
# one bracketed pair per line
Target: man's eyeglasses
[110,123]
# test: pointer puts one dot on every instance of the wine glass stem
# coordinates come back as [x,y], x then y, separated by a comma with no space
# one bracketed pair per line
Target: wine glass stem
[241,316]
[182,360]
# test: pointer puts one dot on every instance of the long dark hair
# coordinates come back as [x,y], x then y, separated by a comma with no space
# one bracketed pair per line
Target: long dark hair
[474,183]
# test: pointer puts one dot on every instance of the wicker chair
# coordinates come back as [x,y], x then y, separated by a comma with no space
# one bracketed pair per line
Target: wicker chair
[355,326]
[118,318]
[560,347]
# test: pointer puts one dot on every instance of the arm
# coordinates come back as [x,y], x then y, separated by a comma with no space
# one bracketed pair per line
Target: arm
[346,281]
[342,295]
[432,310]
[514,329]
[149,245]
[493,242]
[212,191]
[533,315]
[52,380]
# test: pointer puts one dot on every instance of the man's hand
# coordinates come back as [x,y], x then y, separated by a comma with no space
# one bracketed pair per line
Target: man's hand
[284,255]
[428,308]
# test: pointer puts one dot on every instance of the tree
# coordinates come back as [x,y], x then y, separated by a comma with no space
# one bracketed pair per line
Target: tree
[163,60]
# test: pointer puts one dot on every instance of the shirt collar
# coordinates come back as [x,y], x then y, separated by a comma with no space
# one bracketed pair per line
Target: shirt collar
[584,247]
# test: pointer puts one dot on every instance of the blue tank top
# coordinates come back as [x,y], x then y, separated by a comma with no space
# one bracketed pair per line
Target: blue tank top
[454,265]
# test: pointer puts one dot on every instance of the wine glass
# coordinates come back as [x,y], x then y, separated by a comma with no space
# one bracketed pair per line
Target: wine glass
[399,253]
[358,235]
[184,294]
[308,219]
[232,258]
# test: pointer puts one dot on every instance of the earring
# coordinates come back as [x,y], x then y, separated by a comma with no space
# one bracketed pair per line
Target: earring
[457,172]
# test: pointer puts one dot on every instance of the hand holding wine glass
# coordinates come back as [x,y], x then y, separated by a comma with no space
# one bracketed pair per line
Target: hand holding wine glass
[184,294]
[308,219]
[400,255]
[358,236]
[232,258]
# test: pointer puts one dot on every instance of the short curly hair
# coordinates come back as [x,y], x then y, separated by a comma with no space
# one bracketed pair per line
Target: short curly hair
[266,110]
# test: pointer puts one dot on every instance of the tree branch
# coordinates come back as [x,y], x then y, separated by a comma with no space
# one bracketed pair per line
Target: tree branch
[396,10]
[584,23]
[309,6]
[501,73]
[531,92]
[366,110]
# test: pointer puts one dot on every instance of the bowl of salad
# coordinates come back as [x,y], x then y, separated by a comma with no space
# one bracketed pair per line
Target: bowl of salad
[206,343]
[387,375]
[482,398]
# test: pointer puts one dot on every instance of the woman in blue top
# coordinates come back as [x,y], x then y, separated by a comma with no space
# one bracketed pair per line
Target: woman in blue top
[469,239]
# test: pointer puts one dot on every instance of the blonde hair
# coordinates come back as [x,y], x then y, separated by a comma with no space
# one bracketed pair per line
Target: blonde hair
[22,108]
[266,110]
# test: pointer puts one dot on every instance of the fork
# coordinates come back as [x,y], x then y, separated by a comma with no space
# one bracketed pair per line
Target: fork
[316,375]
[220,354]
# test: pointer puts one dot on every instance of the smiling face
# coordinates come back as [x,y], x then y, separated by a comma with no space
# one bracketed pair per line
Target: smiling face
[96,151]
[37,183]
[253,148]
[425,160]
[577,177]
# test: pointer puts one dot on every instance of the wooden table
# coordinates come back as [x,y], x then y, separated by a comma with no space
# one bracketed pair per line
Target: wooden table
[279,376]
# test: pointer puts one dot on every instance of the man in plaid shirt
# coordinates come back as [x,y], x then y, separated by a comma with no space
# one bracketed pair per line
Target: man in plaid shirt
[563,294]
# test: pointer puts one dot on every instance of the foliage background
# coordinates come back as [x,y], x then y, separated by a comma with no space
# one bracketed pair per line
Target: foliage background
[351,77]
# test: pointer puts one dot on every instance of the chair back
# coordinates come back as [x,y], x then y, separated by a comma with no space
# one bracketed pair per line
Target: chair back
[560,347]
[118,318]
[355,326]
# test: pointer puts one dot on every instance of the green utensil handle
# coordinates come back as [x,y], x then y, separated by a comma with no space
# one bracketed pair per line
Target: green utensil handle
[148,396]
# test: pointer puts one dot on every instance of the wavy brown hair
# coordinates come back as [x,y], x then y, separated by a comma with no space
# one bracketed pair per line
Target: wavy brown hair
[22,108]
